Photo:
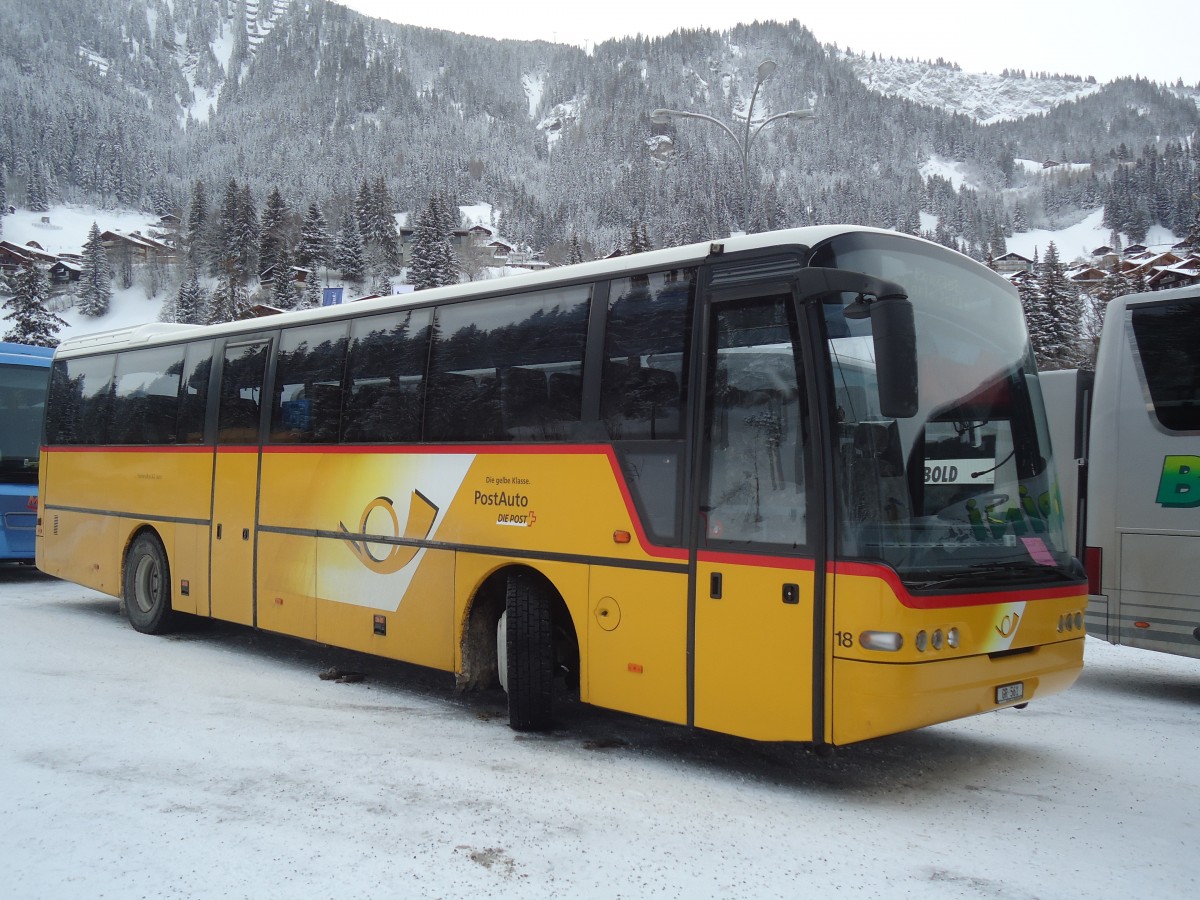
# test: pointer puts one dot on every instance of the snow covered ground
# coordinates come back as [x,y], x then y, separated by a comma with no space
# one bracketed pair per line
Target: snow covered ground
[216,763]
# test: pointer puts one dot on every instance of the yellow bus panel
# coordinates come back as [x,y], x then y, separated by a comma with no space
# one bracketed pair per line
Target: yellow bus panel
[636,637]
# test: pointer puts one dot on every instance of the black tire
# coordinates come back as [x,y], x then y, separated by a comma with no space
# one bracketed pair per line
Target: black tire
[529,644]
[147,586]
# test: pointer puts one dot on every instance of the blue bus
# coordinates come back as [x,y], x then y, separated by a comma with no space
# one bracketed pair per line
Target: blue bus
[24,376]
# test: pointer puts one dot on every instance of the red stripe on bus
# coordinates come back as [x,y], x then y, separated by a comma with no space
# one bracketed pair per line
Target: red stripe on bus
[944,601]
[800,564]
[187,448]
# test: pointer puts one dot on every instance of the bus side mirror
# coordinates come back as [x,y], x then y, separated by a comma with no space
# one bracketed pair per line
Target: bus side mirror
[893,332]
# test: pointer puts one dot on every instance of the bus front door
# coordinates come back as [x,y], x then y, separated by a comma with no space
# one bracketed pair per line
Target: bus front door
[754,587]
[235,481]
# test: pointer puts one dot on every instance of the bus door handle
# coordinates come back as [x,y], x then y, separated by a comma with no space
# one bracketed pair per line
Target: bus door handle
[218,531]
[714,585]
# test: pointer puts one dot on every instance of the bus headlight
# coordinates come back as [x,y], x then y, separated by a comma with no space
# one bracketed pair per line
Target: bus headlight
[881,640]
[952,638]
[922,641]
[936,640]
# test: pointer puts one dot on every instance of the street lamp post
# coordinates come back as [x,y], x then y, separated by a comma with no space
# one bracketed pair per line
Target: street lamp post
[746,140]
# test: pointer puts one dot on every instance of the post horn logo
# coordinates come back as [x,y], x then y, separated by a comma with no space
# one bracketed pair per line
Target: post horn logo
[421,515]
[1008,625]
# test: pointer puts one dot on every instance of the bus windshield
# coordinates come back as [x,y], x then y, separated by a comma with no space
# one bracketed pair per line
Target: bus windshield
[963,493]
[22,398]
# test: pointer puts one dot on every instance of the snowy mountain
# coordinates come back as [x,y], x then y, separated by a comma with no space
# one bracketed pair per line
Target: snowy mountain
[136,104]
[985,98]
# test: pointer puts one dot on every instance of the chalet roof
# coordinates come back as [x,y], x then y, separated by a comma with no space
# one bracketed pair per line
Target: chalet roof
[1014,255]
[136,238]
[1144,262]
[1173,274]
[27,251]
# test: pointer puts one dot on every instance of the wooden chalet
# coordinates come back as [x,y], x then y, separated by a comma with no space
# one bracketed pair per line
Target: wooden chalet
[14,256]
[64,271]
[1182,274]
[1012,262]
[1086,275]
[143,247]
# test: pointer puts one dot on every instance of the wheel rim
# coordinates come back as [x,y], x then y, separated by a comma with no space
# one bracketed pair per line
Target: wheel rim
[146,584]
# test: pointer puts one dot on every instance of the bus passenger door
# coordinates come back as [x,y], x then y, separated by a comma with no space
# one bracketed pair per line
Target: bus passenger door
[754,587]
[235,481]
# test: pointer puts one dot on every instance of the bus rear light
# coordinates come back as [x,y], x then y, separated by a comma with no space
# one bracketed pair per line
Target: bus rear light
[1141,624]
[881,640]
[1093,557]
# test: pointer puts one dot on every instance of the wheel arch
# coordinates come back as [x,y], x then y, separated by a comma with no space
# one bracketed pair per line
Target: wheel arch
[478,670]
[134,533]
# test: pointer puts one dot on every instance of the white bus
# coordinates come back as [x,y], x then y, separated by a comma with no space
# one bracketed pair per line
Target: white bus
[1137,448]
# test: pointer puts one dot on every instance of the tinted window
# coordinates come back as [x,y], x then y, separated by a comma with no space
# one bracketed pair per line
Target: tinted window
[241,393]
[145,402]
[308,384]
[385,380]
[509,368]
[1168,342]
[645,352]
[23,401]
[79,400]
[193,400]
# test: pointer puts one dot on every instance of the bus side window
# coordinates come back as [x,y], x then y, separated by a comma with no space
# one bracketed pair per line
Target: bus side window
[82,391]
[193,393]
[241,393]
[1168,344]
[385,377]
[146,396]
[643,384]
[494,362]
[308,384]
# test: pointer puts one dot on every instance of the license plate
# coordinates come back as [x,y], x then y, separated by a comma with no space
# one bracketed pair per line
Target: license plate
[1007,693]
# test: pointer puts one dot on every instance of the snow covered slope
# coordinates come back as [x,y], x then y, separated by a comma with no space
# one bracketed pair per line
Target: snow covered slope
[985,98]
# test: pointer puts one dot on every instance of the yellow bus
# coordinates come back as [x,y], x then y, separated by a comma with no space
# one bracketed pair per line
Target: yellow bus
[793,486]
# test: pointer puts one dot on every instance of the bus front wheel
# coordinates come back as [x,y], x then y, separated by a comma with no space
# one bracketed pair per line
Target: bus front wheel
[147,587]
[527,654]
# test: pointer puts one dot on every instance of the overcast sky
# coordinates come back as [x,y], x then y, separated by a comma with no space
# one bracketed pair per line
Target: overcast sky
[1105,38]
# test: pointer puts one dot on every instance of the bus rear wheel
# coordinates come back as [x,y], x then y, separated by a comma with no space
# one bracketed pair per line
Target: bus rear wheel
[147,586]
[528,654]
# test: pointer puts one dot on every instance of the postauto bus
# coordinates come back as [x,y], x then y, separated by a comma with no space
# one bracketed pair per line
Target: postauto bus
[793,486]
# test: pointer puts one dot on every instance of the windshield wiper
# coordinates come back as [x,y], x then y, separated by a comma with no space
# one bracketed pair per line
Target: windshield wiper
[1012,571]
